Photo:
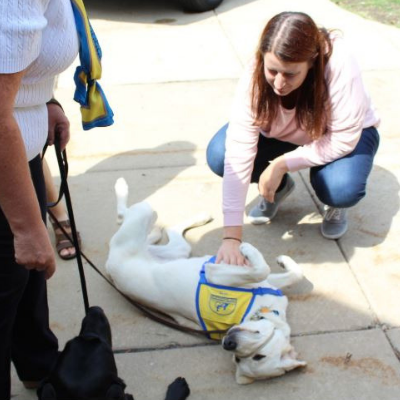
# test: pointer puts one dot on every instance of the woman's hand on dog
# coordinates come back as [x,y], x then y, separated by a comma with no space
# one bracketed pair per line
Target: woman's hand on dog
[229,252]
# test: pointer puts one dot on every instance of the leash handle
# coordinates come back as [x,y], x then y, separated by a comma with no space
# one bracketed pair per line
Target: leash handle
[64,190]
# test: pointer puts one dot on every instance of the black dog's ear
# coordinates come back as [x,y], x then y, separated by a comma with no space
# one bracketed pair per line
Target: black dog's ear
[115,392]
[128,397]
[47,392]
[178,390]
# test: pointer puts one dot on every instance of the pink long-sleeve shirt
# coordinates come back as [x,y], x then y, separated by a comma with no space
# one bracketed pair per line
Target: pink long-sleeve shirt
[351,111]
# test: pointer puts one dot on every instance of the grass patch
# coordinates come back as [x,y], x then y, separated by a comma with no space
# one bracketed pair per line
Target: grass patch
[384,11]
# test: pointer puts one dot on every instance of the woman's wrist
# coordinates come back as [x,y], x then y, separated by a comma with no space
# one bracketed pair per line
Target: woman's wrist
[279,165]
[232,233]
[232,238]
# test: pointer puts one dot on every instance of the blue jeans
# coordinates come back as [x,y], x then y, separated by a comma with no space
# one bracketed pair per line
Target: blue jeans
[341,183]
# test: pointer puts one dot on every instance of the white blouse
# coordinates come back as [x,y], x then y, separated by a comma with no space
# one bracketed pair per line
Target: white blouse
[38,36]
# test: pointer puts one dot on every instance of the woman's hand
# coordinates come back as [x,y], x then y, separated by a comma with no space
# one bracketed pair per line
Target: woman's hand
[33,249]
[58,125]
[271,178]
[229,253]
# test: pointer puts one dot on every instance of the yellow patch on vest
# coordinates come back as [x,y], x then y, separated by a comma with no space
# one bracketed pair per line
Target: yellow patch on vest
[221,308]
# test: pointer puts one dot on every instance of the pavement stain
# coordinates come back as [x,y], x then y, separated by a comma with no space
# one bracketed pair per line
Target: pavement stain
[373,234]
[303,297]
[365,365]
[382,258]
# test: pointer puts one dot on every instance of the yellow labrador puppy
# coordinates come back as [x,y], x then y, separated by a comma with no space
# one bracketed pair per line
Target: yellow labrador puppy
[198,293]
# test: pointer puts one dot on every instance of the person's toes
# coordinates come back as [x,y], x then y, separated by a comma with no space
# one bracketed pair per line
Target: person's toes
[68,251]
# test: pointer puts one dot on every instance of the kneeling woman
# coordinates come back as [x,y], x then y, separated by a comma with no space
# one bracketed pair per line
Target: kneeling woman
[301,103]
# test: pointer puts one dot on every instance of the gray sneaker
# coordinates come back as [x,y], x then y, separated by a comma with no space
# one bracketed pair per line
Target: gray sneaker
[334,225]
[264,211]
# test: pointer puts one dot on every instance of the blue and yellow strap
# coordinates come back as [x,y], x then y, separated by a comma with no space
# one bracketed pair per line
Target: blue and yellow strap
[95,109]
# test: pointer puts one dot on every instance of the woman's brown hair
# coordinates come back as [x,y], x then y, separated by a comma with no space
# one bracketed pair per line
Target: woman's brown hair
[294,37]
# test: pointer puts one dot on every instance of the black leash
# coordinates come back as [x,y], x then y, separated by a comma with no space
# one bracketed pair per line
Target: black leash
[152,313]
[64,191]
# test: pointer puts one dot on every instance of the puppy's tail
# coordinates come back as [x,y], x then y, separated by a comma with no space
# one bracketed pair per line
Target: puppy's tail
[293,273]
[121,192]
[195,221]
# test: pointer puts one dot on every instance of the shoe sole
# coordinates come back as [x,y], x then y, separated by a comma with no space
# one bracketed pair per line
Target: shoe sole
[264,220]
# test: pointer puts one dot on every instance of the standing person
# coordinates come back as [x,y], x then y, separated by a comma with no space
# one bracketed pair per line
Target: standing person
[301,103]
[38,40]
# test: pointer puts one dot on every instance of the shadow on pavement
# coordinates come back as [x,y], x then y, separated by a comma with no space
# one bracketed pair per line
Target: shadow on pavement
[164,12]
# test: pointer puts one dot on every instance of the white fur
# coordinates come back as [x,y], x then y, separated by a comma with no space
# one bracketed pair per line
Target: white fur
[165,277]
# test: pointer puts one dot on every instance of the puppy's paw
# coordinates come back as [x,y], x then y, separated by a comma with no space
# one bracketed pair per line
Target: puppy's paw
[283,260]
[252,254]
[247,250]
[121,192]
[178,390]
[288,264]
[121,187]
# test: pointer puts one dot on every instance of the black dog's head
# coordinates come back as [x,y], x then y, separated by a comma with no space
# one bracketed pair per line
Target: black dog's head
[96,323]
[86,368]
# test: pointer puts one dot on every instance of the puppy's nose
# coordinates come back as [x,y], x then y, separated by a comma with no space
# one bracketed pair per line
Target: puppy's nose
[229,344]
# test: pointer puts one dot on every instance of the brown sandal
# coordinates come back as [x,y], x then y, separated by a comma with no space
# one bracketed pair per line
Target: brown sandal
[62,242]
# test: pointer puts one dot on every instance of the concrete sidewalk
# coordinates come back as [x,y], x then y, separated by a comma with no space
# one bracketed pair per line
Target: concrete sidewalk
[170,78]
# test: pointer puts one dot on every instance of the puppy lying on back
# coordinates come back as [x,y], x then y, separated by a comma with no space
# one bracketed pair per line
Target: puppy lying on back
[199,294]
[86,368]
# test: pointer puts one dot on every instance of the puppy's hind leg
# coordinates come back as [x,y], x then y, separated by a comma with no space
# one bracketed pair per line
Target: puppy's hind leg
[121,193]
[177,246]
[293,273]
[155,235]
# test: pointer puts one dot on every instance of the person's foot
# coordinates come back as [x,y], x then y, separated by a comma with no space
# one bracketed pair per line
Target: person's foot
[264,211]
[334,225]
[65,249]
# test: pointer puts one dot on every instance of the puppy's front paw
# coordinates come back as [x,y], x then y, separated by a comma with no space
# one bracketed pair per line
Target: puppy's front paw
[252,254]
[248,251]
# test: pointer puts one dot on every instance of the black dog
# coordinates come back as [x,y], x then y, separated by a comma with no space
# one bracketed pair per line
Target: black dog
[86,368]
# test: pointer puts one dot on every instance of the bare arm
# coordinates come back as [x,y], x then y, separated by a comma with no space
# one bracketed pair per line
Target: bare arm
[17,195]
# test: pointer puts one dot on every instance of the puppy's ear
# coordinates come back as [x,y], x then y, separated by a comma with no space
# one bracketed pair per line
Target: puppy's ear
[47,392]
[243,379]
[289,361]
[178,390]
[115,392]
